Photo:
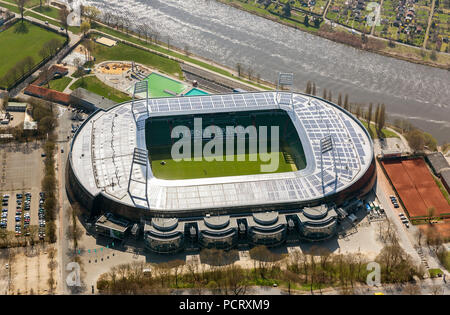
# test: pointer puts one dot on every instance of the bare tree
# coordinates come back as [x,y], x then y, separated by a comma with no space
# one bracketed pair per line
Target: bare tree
[63,14]
[21,5]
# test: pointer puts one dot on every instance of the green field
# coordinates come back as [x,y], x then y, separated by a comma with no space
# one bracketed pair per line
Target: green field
[158,83]
[96,86]
[22,42]
[203,169]
[48,11]
[60,84]
[126,52]
[286,156]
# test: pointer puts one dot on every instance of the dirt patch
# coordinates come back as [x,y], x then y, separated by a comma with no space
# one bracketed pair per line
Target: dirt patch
[114,68]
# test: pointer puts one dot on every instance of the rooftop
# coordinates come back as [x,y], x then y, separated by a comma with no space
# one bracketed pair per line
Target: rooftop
[97,100]
[106,153]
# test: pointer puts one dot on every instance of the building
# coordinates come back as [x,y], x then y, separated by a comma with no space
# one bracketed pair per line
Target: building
[438,162]
[89,101]
[16,107]
[110,226]
[110,171]
[445,178]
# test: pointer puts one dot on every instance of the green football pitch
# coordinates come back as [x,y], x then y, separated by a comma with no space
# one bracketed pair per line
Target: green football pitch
[287,155]
[171,169]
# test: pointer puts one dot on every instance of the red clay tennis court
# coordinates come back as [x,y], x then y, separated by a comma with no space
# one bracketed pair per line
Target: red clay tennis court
[416,187]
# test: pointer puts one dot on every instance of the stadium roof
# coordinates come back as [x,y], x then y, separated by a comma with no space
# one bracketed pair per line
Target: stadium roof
[109,154]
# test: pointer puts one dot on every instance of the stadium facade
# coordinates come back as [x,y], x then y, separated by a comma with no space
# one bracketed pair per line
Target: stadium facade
[110,172]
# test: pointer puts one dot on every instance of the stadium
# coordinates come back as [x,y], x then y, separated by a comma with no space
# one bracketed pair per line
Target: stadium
[121,167]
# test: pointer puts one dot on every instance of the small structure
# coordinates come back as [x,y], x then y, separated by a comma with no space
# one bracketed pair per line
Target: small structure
[437,162]
[445,178]
[90,101]
[16,107]
[106,41]
[110,226]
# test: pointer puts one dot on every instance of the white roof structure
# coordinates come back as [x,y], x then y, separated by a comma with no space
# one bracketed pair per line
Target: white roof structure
[109,154]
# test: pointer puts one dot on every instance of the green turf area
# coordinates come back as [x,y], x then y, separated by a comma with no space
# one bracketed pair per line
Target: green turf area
[48,11]
[29,4]
[22,41]
[202,169]
[10,7]
[158,83]
[73,29]
[289,153]
[373,132]
[163,50]
[96,86]
[126,52]
[60,84]
[434,272]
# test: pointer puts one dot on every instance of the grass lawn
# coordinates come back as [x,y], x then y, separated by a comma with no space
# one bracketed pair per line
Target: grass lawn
[94,85]
[22,44]
[158,83]
[435,272]
[10,7]
[30,3]
[60,84]
[73,29]
[126,52]
[170,53]
[204,169]
[387,133]
[48,11]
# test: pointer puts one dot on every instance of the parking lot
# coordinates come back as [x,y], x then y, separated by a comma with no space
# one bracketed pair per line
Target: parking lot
[22,170]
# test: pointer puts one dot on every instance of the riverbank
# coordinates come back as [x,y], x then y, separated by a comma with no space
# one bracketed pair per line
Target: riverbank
[343,35]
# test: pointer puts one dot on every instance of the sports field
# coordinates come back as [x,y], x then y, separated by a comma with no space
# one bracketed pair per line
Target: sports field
[18,42]
[203,169]
[416,187]
[286,157]
[158,85]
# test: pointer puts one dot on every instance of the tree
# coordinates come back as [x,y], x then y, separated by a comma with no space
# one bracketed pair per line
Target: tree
[346,102]
[21,5]
[239,69]
[415,140]
[287,9]
[85,27]
[412,289]
[63,14]
[308,87]
[91,12]
[369,115]
[381,118]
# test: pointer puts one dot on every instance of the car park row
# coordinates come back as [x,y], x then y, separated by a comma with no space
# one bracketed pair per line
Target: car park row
[23,206]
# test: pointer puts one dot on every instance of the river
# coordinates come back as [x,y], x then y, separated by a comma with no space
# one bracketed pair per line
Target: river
[230,36]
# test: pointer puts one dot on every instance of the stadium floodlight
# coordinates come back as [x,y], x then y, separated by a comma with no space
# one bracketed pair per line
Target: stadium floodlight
[140,87]
[285,79]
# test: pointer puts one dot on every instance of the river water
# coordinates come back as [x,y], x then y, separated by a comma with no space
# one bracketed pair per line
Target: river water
[230,36]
